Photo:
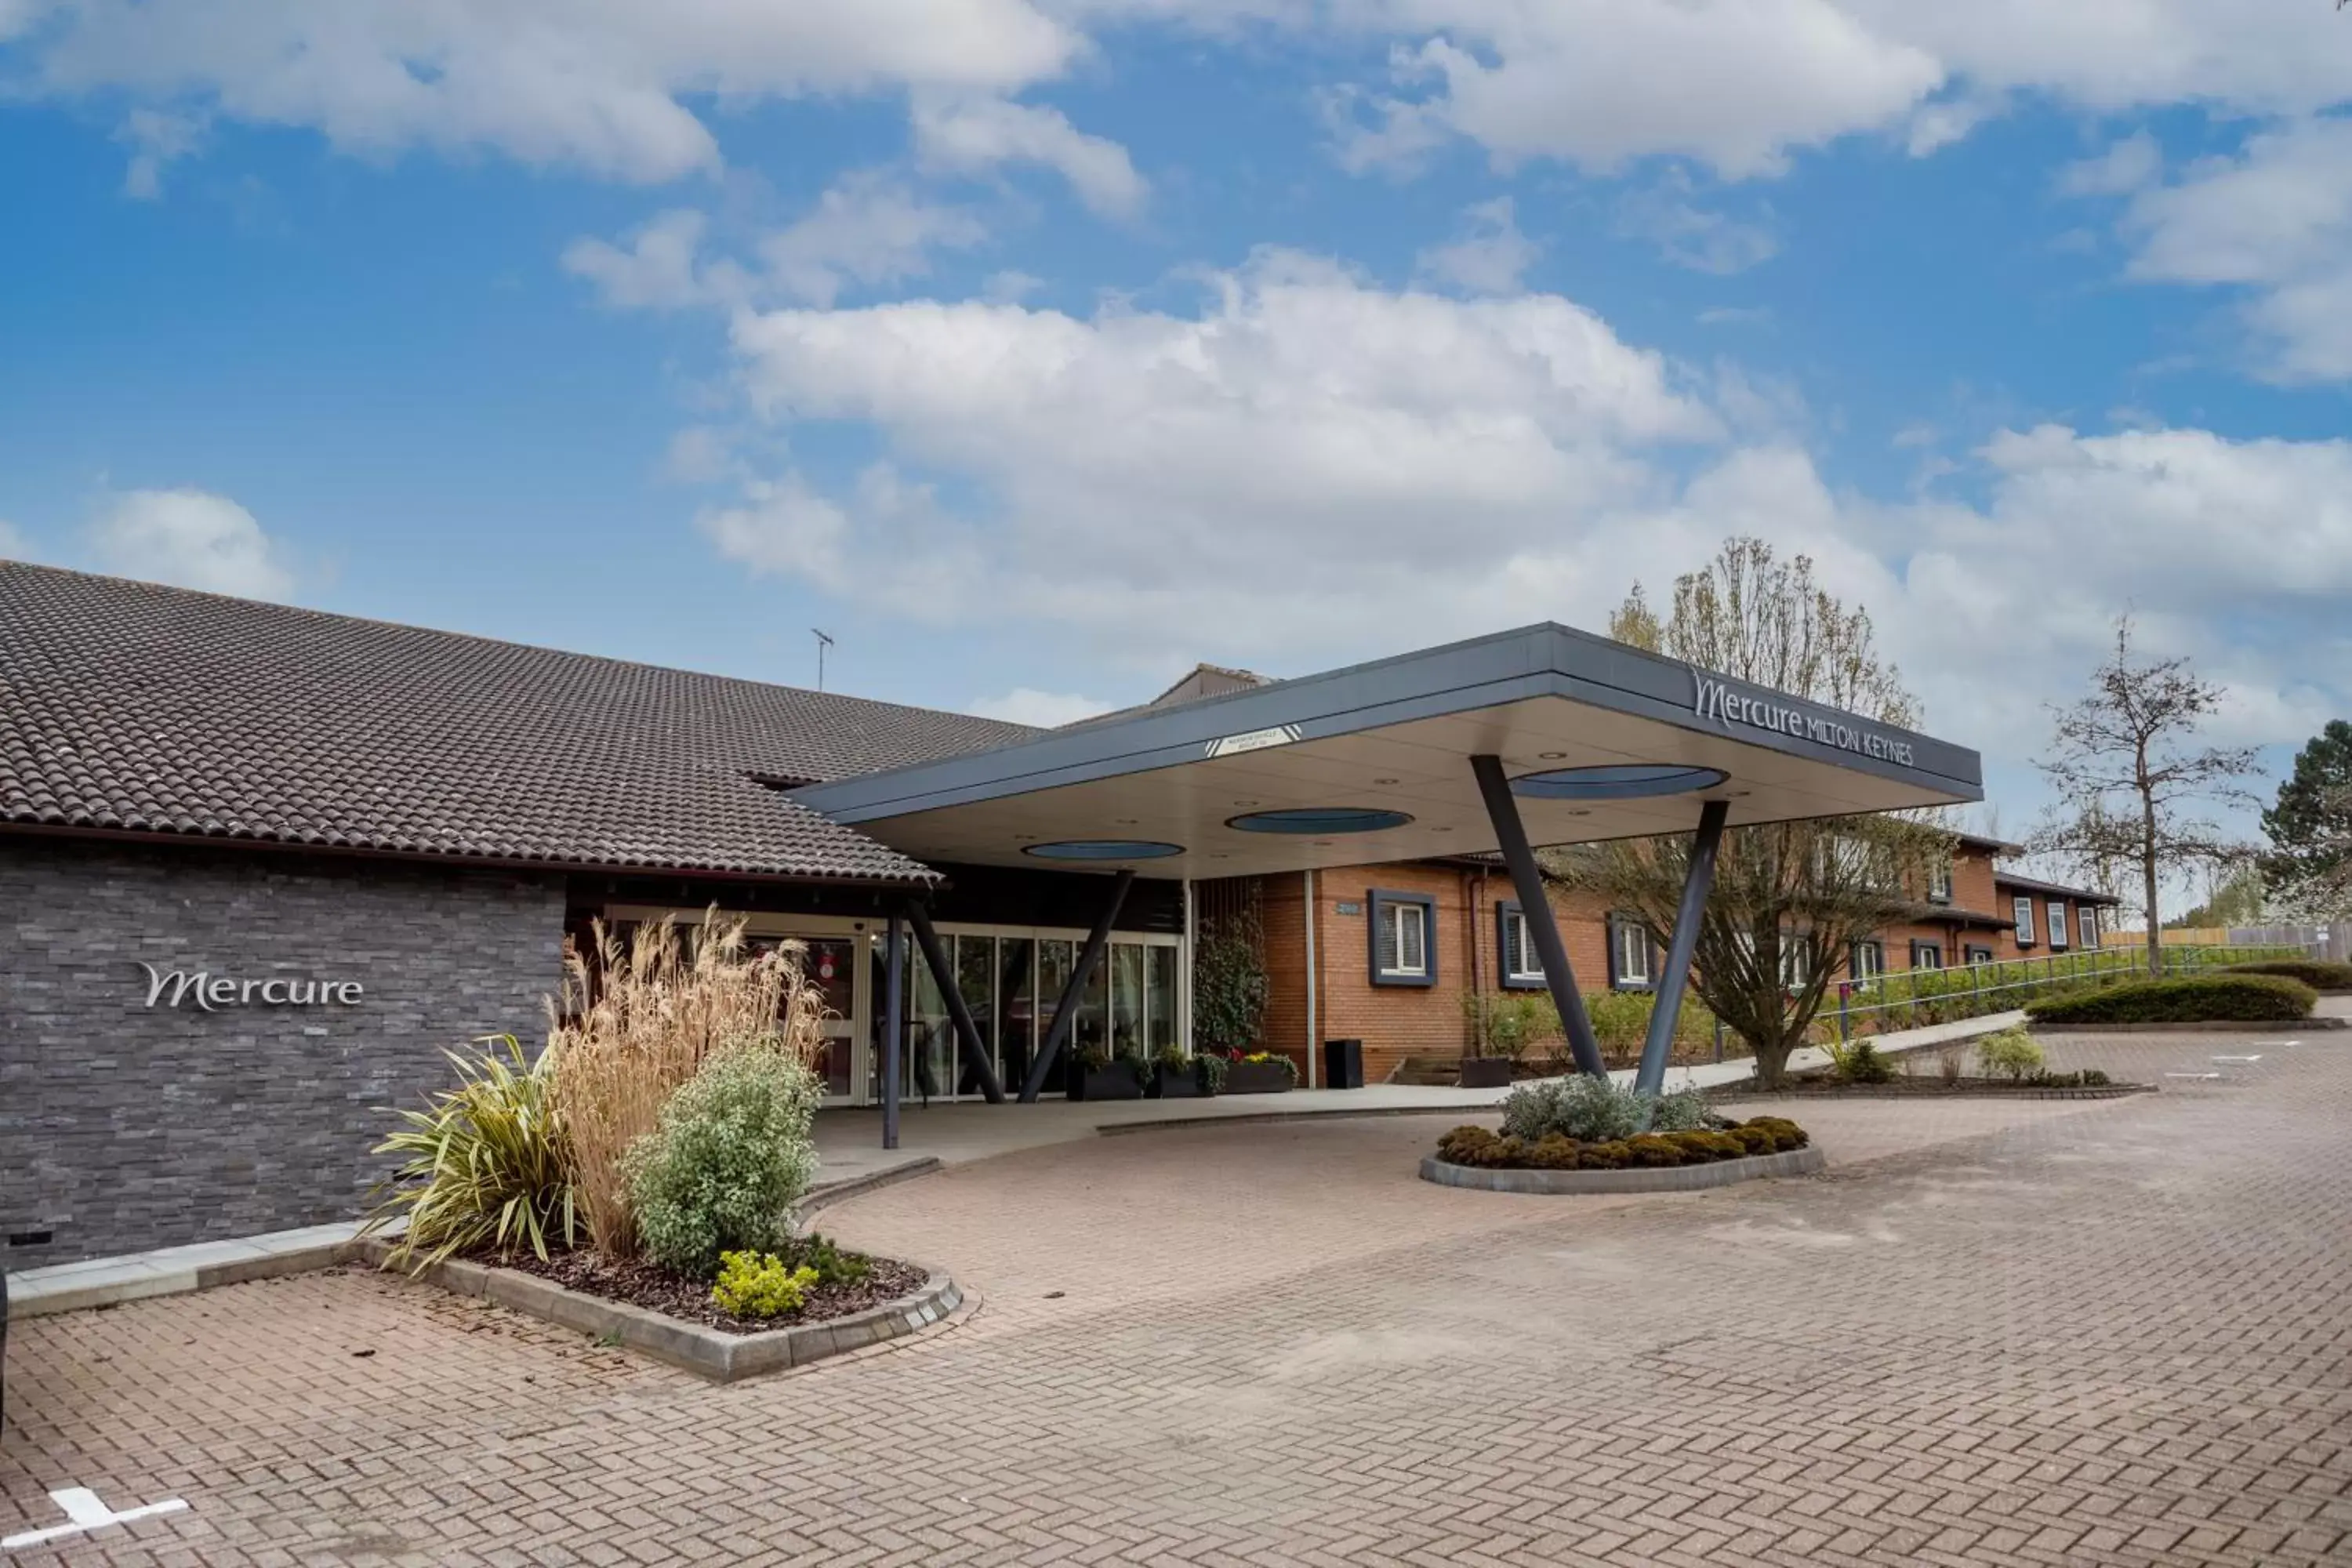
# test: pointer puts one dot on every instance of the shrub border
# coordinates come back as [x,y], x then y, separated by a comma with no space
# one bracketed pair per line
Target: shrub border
[2199,1026]
[708,1352]
[1803,1162]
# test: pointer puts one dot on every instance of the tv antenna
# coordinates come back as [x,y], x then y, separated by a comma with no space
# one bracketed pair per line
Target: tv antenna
[823,641]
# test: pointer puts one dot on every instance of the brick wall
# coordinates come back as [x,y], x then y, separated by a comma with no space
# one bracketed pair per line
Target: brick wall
[124,1127]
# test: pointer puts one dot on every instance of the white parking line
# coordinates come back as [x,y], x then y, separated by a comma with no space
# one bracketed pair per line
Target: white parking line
[83,1511]
[2237,1059]
[2202,1075]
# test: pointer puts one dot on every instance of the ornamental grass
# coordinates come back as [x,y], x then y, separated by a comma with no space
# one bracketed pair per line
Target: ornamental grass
[484,1166]
[639,1018]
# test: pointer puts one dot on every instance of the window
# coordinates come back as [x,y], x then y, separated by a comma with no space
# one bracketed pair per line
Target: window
[2057,922]
[1927,956]
[1940,882]
[2022,907]
[1521,965]
[1866,962]
[1628,953]
[1978,955]
[1796,961]
[1402,953]
[2089,916]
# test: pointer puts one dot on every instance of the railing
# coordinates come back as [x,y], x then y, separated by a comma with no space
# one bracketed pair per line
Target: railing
[1917,997]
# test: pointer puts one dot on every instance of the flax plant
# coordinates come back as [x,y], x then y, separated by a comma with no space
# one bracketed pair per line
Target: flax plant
[640,1018]
[484,1165]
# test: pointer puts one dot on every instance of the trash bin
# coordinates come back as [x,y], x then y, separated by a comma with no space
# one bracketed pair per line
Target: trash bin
[1343,1063]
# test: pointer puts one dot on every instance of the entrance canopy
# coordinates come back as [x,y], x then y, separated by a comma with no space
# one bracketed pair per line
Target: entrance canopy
[1372,763]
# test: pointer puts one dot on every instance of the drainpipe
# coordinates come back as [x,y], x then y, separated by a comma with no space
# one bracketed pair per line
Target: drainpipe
[1308,910]
[1475,882]
[1184,970]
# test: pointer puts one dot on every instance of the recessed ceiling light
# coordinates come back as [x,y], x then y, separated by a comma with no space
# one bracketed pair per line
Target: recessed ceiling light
[1440,830]
[1322,844]
[1741,793]
[1384,781]
[1551,756]
[1245,803]
[1579,811]
[1128,822]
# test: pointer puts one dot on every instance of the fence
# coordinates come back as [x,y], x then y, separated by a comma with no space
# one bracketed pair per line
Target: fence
[1921,996]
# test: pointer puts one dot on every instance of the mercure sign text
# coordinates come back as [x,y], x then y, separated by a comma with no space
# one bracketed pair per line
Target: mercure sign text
[1725,704]
[210,992]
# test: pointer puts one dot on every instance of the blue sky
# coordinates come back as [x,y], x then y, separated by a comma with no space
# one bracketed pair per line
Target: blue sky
[1039,348]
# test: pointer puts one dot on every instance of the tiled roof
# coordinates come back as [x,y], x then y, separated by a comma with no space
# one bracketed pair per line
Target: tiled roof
[2036,885]
[127,706]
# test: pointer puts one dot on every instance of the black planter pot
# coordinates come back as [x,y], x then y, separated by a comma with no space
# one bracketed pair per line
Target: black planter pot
[1115,1081]
[1178,1083]
[1486,1072]
[1257,1077]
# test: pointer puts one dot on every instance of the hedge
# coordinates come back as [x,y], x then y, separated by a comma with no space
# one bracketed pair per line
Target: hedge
[1477,1146]
[2317,974]
[2204,998]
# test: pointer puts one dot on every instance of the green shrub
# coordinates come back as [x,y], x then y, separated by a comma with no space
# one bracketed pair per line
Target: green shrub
[1861,1062]
[760,1285]
[2010,1054]
[1506,1024]
[2317,974]
[729,1159]
[1786,1134]
[833,1266]
[1753,1140]
[1212,1068]
[1587,1109]
[2188,999]
[484,1166]
[1680,1110]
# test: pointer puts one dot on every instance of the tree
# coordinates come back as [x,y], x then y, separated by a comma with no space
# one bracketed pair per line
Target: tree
[2309,866]
[2128,787]
[1790,899]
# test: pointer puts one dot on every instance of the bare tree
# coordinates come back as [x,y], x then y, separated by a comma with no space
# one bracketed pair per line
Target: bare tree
[1790,899]
[2129,788]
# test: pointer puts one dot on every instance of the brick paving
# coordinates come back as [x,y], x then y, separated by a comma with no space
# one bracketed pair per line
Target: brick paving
[2035,1332]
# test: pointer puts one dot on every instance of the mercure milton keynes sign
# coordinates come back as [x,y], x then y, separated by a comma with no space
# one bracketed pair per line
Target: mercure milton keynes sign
[1725,704]
[210,992]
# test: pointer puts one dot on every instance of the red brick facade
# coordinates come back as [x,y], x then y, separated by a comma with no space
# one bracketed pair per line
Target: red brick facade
[1334,995]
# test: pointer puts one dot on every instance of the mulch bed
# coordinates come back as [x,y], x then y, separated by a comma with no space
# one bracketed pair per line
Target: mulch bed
[641,1284]
[1930,1086]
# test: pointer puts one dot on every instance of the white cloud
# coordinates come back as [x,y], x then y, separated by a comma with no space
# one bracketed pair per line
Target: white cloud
[192,539]
[660,268]
[1738,86]
[13,545]
[1046,710]
[783,528]
[867,229]
[600,85]
[155,139]
[970,136]
[2275,220]
[1488,256]
[2125,168]
[1692,235]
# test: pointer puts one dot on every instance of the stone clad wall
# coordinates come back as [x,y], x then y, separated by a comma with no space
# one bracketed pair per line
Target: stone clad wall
[125,1127]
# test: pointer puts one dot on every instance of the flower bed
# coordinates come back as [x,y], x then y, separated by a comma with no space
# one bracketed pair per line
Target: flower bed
[1481,1148]
[859,1283]
[2088,1084]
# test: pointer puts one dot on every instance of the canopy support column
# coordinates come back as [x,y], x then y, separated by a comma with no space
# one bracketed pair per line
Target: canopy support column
[1066,1013]
[1675,976]
[975,1051]
[894,1026]
[1535,908]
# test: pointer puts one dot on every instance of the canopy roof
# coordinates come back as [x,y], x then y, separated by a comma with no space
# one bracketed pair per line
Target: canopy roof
[1396,737]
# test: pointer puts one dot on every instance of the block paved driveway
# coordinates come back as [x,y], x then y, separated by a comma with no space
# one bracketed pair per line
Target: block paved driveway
[2112,1333]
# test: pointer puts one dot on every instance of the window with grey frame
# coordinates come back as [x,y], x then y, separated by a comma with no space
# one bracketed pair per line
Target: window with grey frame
[1927,956]
[1516,958]
[1865,962]
[2088,916]
[1403,928]
[2057,922]
[1940,882]
[1976,955]
[2023,908]
[1633,958]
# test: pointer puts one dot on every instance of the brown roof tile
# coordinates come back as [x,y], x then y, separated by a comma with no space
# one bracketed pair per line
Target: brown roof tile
[128,706]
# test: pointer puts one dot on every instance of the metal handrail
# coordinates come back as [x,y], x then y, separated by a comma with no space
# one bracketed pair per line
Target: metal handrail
[2106,963]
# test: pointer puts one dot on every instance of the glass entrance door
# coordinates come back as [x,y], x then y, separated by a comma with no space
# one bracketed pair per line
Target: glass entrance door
[832,964]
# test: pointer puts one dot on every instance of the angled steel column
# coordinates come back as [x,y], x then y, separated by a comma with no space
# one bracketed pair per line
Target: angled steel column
[1503,811]
[1066,1013]
[975,1052]
[894,1026]
[1651,1076]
